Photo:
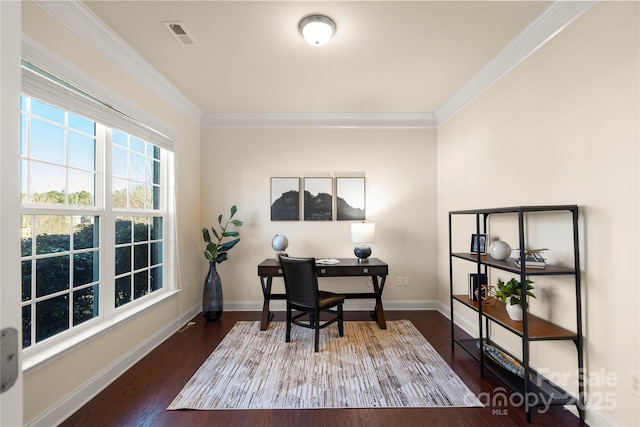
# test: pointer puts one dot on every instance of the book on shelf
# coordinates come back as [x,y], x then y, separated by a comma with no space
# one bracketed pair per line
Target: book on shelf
[475,282]
[532,261]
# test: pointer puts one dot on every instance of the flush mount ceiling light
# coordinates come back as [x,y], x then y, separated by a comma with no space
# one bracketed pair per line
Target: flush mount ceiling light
[317,29]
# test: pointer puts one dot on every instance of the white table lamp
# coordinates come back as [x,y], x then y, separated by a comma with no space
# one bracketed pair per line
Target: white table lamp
[363,233]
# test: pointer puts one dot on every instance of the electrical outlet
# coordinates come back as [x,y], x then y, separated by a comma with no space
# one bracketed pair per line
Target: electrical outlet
[634,382]
[402,281]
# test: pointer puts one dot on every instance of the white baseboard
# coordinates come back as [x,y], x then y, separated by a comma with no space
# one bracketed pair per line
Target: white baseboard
[65,408]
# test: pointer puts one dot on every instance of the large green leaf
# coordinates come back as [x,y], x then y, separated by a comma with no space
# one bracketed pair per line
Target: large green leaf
[215,233]
[228,245]
[206,236]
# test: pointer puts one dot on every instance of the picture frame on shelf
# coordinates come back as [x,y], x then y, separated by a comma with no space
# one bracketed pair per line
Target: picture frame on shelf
[478,244]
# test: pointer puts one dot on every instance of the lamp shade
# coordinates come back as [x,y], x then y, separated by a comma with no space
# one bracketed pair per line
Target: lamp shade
[363,232]
[317,30]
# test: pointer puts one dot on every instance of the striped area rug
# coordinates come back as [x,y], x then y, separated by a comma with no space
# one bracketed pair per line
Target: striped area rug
[366,368]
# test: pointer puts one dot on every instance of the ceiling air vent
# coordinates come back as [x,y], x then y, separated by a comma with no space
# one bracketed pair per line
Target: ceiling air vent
[181,33]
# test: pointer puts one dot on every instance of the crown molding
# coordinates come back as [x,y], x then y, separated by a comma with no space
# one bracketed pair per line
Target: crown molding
[83,22]
[555,18]
[320,120]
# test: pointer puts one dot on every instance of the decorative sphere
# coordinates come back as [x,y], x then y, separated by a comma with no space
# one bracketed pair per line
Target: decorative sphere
[279,243]
[500,250]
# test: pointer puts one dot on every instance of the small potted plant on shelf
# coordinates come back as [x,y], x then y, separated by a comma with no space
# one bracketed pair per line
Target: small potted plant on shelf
[510,293]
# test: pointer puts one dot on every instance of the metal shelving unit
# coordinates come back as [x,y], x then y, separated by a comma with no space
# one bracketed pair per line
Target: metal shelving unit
[532,385]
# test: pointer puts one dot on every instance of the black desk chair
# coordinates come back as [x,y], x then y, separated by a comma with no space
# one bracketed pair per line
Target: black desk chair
[301,285]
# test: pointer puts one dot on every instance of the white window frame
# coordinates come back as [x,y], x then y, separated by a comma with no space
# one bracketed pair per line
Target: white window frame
[109,315]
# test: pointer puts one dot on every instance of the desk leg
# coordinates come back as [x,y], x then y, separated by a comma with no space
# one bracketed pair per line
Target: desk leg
[378,312]
[267,315]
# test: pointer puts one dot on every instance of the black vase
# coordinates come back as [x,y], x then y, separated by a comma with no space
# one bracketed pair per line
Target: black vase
[212,295]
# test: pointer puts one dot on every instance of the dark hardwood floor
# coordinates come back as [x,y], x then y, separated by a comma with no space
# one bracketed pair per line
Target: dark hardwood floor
[141,395]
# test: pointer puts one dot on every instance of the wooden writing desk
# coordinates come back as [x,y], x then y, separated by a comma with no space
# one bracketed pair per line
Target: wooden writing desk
[376,269]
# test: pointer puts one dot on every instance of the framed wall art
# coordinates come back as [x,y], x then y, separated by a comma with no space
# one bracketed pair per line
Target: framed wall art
[350,199]
[285,199]
[318,199]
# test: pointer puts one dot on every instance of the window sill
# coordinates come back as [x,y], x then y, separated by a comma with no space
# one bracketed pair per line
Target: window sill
[39,358]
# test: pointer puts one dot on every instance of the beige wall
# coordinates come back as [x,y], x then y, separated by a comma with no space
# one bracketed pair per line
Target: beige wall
[563,128]
[400,171]
[48,385]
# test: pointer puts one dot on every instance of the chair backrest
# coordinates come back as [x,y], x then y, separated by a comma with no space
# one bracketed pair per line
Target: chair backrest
[300,280]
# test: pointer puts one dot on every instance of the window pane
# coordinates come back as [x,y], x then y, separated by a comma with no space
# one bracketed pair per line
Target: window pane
[136,144]
[119,163]
[85,305]
[156,253]
[82,151]
[26,231]
[140,284]
[52,317]
[137,195]
[148,197]
[119,138]
[46,183]
[81,188]
[82,124]
[26,326]
[155,204]
[123,260]
[26,280]
[46,141]
[52,234]
[156,278]
[123,290]
[123,230]
[85,232]
[23,180]
[120,193]
[140,256]
[141,231]
[156,229]
[52,275]
[85,268]
[23,135]
[47,111]
[155,170]
[137,169]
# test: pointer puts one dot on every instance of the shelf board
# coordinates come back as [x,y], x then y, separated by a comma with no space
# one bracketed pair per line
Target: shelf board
[539,386]
[509,265]
[538,328]
[516,209]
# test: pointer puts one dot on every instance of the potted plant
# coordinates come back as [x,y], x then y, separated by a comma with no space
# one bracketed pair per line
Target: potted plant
[510,293]
[216,252]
